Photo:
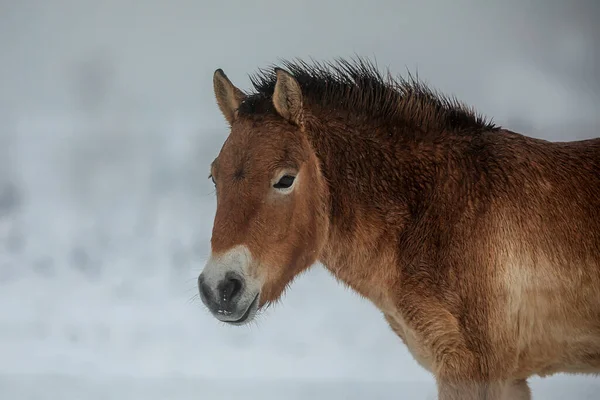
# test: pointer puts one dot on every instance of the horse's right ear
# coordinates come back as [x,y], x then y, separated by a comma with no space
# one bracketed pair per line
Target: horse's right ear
[228,96]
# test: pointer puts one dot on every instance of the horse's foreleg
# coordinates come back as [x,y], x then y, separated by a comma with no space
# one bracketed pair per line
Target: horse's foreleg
[462,391]
[507,390]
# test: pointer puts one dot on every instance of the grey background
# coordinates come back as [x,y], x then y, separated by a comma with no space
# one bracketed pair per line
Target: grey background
[107,128]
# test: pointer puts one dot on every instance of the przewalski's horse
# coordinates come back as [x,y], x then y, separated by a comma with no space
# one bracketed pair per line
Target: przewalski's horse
[479,245]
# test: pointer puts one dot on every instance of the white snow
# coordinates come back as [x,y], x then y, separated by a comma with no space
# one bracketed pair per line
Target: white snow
[127,337]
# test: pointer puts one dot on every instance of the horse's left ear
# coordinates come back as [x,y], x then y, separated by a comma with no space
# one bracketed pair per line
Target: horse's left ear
[287,97]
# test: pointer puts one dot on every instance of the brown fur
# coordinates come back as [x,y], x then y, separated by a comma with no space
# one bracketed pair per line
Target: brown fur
[481,246]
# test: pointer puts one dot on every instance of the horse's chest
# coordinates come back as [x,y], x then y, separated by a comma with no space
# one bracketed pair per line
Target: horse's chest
[420,352]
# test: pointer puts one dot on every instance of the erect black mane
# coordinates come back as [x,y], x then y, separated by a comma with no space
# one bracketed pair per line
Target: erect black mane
[358,88]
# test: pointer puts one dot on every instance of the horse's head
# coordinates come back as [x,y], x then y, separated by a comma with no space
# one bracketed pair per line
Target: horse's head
[271,220]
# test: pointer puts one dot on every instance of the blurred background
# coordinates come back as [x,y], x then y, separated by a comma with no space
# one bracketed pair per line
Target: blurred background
[107,129]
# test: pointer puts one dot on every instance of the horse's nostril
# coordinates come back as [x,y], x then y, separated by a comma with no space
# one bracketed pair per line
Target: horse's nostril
[231,288]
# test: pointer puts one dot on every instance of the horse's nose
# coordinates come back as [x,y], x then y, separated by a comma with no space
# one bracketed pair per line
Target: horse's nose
[229,293]
[222,297]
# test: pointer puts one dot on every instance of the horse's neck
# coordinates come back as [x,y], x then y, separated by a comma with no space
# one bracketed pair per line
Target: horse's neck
[367,219]
[363,259]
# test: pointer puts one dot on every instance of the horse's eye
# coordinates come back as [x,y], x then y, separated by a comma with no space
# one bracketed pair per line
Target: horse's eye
[212,178]
[285,182]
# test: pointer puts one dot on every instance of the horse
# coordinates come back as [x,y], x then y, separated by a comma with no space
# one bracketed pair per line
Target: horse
[479,245]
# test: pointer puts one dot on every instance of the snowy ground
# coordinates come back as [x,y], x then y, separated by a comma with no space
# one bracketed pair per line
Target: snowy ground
[184,388]
[140,338]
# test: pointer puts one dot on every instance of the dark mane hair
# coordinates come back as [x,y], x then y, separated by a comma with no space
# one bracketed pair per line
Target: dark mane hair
[358,88]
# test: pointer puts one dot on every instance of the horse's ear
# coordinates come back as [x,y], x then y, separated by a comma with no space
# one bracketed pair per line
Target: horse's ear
[228,96]
[287,97]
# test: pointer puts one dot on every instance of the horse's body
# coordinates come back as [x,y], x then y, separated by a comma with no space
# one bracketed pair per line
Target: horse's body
[480,246]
